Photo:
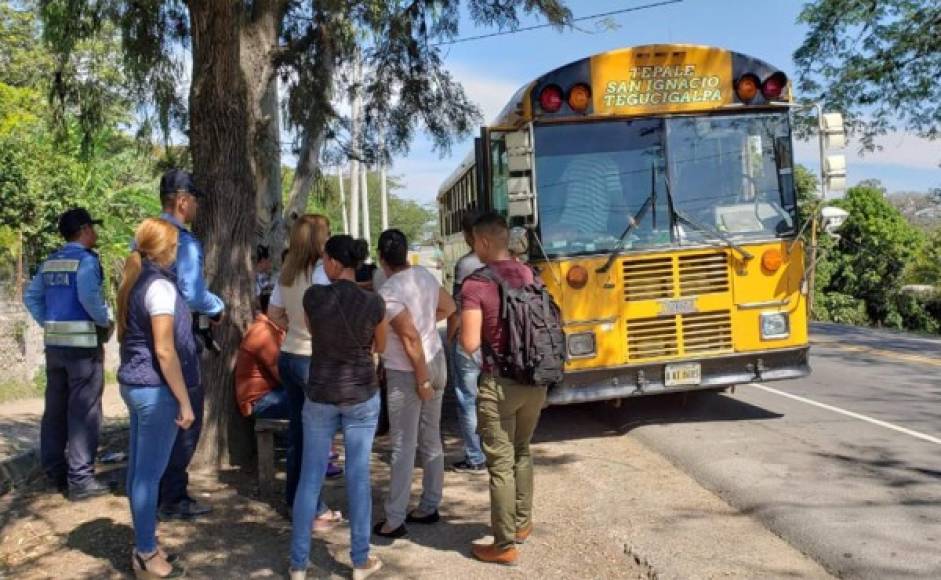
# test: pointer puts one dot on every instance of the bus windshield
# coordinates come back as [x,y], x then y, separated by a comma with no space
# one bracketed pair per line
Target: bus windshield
[732,174]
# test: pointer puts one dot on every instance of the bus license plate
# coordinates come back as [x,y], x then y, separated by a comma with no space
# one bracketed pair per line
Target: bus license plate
[682,374]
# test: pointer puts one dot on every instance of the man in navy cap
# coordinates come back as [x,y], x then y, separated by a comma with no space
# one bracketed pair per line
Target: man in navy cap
[65,298]
[180,198]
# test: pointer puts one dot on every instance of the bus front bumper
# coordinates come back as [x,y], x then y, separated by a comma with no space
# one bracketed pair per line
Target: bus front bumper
[648,379]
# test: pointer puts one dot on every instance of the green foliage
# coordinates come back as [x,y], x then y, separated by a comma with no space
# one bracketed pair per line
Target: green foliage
[415,220]
[926,268]
[44,169]
[878,61]
[859,278]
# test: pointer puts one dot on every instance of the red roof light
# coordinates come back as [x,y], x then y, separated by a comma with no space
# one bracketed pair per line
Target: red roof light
[550,99]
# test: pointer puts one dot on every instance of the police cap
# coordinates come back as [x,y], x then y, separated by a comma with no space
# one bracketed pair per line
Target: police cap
[177,180]
[73,220]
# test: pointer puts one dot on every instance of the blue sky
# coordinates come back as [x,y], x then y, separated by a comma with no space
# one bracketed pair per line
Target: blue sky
[492,69]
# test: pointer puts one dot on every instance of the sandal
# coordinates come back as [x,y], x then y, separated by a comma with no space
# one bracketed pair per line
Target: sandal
[139,564]
[327,521]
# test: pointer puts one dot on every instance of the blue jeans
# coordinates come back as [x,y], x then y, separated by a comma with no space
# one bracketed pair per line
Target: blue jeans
[153,412]
[294,369]
[464,373]
[273,405]
[321,421]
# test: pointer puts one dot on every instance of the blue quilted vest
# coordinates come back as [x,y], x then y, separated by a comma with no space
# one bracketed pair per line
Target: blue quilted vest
[139,364]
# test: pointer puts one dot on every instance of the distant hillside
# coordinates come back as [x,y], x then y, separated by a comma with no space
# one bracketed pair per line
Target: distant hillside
[921,209]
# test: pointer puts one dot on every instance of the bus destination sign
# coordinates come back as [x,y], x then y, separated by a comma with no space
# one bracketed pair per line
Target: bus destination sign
[648,80]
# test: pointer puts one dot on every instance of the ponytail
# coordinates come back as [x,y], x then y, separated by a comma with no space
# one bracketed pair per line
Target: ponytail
[132,269]
[155,240]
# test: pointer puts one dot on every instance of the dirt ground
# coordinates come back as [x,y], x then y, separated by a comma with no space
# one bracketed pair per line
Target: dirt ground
[606,507]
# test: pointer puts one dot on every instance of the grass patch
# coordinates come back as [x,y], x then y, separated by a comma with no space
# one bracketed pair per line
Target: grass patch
[12,390]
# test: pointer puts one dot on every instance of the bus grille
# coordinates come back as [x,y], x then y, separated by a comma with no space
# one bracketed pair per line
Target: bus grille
[652,338]
[648,279]
[658,337]
[707,332]
[704,274]
[653,278]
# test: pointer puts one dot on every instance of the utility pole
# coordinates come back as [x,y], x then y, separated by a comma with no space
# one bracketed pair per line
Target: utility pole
[383,191]
[346,217]
[356,106]
[363,176]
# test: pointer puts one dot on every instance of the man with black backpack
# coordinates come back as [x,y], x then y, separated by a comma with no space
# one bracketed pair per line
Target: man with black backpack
[507,312]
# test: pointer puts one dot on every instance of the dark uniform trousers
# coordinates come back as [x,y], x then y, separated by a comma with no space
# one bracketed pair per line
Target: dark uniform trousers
[175,478]
[71,422]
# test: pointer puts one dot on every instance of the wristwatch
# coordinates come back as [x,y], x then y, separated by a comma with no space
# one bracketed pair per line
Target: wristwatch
[427,384]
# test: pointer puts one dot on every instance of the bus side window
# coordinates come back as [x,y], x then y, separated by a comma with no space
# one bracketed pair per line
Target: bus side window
[499,173]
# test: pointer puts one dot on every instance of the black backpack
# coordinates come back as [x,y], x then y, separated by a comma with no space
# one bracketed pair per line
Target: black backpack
[535,345]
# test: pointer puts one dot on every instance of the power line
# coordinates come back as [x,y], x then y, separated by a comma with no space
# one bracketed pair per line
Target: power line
[547,25]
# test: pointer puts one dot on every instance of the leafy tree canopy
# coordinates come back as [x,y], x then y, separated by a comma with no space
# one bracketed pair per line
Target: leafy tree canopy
[878,61]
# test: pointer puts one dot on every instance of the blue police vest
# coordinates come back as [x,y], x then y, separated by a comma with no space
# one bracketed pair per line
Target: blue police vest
[67,322]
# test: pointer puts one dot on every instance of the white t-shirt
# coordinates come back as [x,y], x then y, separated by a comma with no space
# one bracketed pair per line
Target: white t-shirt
[317,278]
[160,298]
[417,290]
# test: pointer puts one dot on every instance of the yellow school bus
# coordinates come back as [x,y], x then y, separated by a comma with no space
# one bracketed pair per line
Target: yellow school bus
[657,186]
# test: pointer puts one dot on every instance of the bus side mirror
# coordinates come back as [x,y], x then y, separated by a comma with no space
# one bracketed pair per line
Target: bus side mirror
[519,151]
[832,136]
[832,218]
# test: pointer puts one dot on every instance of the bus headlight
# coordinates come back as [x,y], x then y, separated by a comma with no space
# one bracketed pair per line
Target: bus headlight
[581,344]
[775,325]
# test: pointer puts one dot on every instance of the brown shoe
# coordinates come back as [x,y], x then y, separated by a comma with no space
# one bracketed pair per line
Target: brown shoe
[493,554]
[522,534]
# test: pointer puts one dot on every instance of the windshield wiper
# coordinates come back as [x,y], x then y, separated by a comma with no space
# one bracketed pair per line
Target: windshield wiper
[680,217]
[632,223]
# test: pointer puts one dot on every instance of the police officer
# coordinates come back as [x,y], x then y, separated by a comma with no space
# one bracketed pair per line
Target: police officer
[179,198]
[65,298]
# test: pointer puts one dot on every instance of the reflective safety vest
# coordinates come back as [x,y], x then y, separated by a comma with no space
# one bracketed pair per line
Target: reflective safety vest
[67,322]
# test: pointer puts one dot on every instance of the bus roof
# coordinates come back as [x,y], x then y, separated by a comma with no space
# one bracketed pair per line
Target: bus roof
[458,173]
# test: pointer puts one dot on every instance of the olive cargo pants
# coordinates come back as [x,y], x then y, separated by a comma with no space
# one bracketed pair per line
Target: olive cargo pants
[507,414]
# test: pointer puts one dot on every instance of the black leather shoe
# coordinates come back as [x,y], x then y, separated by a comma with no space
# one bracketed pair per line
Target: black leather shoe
[398,532]
[432,518]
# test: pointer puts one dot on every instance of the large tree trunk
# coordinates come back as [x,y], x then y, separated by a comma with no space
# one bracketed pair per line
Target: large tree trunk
[308,166]
[231,72]
[268,177]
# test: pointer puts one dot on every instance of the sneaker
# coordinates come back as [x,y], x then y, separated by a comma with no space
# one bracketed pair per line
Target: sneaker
[297,574]
[373,565]
[466,466]
[187,509]
[93,489]
[522,534]
[494,554]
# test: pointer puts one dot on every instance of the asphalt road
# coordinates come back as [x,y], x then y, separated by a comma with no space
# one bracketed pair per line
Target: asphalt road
[845,465]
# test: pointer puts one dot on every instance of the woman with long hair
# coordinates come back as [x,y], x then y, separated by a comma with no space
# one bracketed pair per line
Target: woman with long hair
[302,268]
[347,326]
[158,362]
[416,374]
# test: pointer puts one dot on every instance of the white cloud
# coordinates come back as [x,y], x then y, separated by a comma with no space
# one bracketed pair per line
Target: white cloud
[490,93]
[902,149]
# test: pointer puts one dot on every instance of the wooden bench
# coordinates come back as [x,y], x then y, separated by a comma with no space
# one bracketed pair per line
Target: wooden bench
[265,430]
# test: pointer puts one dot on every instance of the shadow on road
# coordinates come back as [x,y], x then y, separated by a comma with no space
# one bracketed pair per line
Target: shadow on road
[604,420]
